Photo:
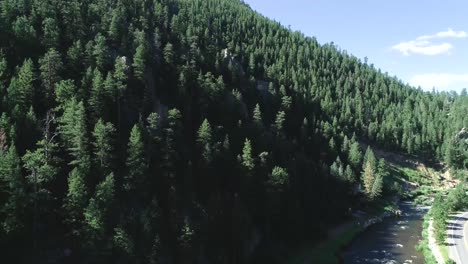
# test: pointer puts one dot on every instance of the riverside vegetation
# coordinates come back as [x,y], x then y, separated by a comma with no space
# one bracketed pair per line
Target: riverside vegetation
[193,131]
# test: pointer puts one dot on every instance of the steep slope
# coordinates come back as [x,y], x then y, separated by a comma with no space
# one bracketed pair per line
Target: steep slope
[190,131]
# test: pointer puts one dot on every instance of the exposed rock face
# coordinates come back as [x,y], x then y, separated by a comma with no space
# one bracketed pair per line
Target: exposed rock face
[462,134]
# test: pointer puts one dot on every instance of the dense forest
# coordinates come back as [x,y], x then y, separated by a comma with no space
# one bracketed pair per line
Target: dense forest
[192,131]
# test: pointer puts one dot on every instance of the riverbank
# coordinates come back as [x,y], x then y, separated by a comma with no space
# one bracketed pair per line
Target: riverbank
[412,180]
[392,241]
[434,248]
[329,251]
[428,245]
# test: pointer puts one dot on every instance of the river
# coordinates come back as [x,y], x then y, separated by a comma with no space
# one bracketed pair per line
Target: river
[391,241]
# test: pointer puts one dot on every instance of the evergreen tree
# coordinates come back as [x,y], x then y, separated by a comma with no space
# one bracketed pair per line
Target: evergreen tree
[257,117]
[51,67]
[98,95]
[354,155]
[368,179]
[139,61]
[279,177]
[204,140]
[103,144]
[247,158]
[75,201]
[100,52]
[51,33]
[74,134]
[350,175]
[13,205]
[65,91]
[97,212]
[369,157]
[136,164]
[168,54]
[279,122]
[377,187]
[21,89]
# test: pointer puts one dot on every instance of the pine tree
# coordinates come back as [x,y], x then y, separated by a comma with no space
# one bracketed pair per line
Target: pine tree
[279,177]
[136,164]
[100,52]
[116,25]
[368,178]
[279,123]
[168,54]
[349,173]
[51,33]
[75,201]
[354,155]
[103,144]
[369,157]
[3,73]
[97,212]
[13,205]
[247,158]
[98,95]
[377,187]
[75,58]
[42,171]
[120,74]
[204,140]
[139,61]
[51,67]
[74,134]
[204,133]
[120,78]
[65,91]
[21,89]
[257,117]
[171,139]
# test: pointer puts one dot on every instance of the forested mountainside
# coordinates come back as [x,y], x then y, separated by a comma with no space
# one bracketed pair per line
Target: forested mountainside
[191,131]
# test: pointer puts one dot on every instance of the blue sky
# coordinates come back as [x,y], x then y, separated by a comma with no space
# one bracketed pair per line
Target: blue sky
[422,42]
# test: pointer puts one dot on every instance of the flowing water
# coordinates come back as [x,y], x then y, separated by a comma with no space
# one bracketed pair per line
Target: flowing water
[391,241]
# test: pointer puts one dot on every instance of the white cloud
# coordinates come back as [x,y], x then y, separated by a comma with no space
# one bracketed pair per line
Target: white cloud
[424,45]
[450,33]
[441,81]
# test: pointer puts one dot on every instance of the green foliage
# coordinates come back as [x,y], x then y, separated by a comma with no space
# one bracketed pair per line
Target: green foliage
[279,177]
[168,54]
[257,117]
[96,213]
[65,91]
[440,212]
[75,76]
[136,163]
[247,158]
[103,144]
[50,66]
[355,155]
[51,33]
[458,198]
[101,52]
[123,241]
[74,133]
[205,141]
[139,61]
[12,207]
[204,133]
[368,179]
[76,200]
[21,89]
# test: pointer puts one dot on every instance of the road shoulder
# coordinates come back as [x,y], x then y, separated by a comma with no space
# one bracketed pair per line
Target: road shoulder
[435,249]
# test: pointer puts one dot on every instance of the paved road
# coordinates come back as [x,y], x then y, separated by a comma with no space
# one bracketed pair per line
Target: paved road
[458,238]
